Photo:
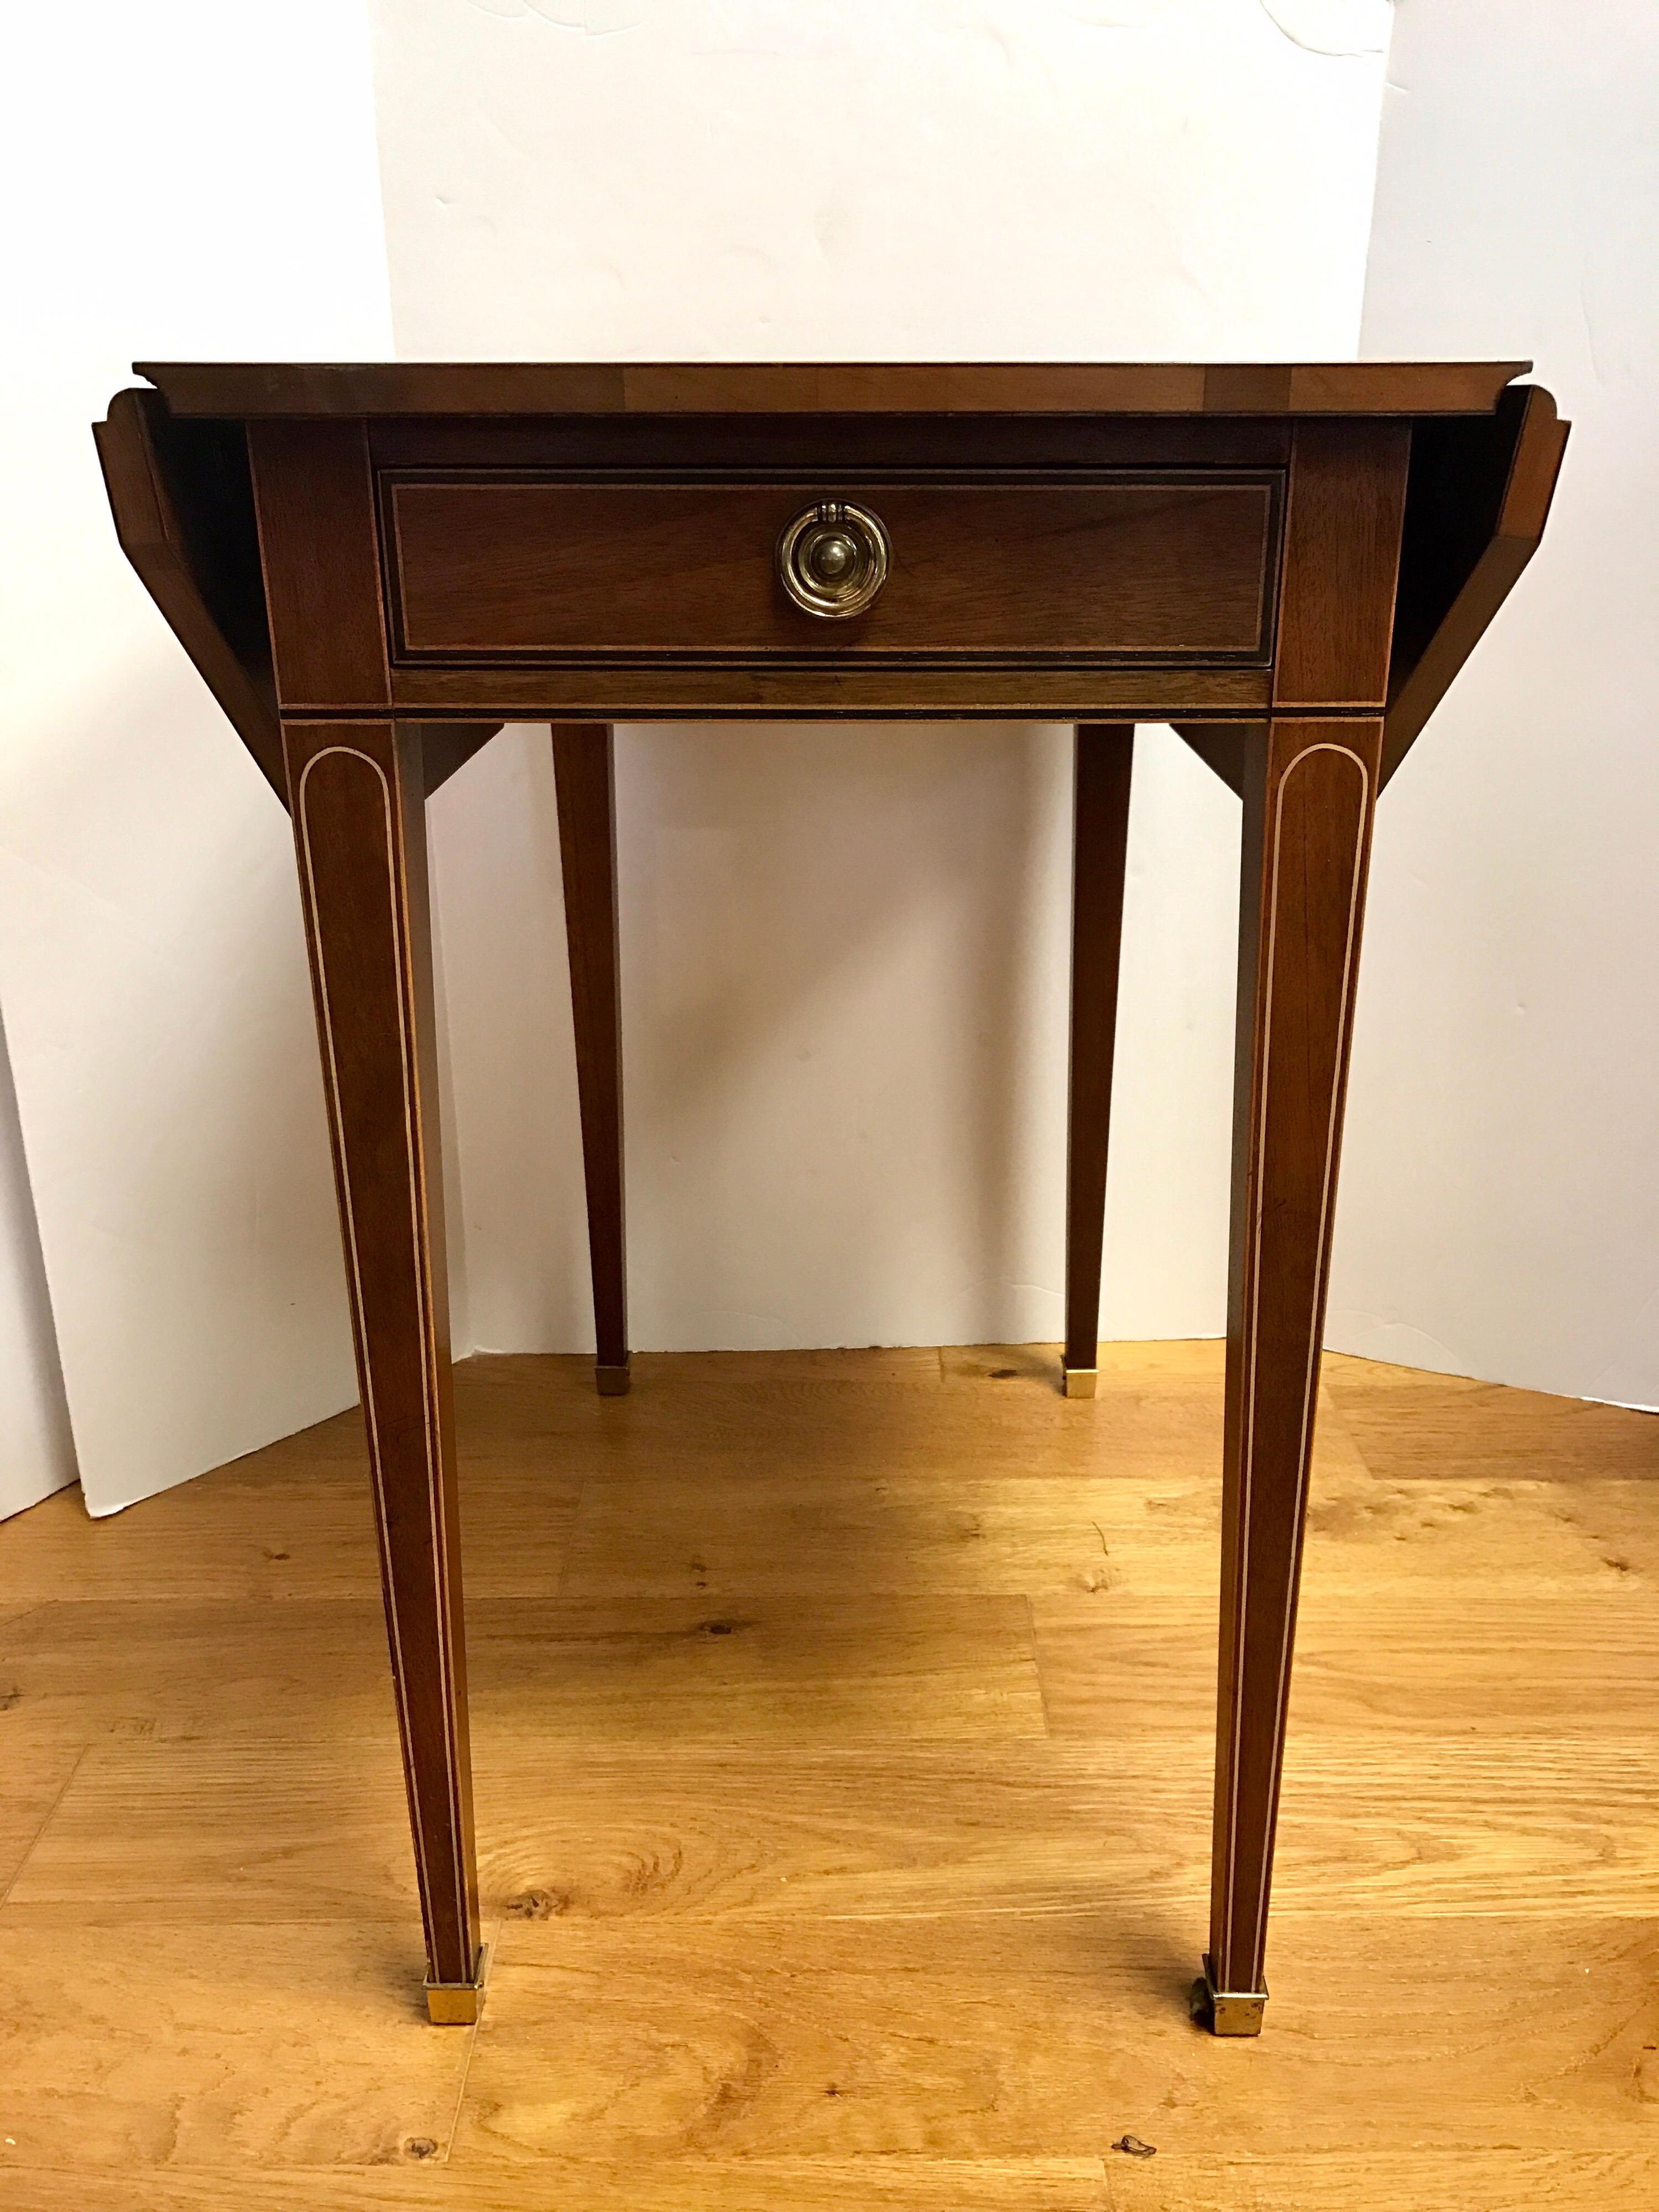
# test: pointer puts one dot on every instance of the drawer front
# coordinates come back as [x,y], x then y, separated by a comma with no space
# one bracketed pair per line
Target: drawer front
[1083,568]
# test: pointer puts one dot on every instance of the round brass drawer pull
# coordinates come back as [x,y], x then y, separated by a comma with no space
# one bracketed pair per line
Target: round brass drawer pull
[833,558]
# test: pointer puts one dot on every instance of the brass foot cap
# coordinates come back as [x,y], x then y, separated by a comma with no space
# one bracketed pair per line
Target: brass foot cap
[1080,1381]
[1227,2012]
[612,1380]
[457,2004]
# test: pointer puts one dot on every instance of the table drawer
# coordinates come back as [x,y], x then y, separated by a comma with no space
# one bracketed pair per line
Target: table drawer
[1079,567]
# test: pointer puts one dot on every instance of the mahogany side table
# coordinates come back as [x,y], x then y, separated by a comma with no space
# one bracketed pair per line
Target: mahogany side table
[372,566]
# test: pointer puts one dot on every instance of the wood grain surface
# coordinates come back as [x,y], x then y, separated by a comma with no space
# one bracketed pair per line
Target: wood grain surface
[183,504]
[584,768]
[509,566]
[1102,765]
[1342,532]
[842,1814]
[1483,458]
[829,688]
[358,795]
[302,388]
[787,442]
[313,496]
[1310,796]
[1475,511]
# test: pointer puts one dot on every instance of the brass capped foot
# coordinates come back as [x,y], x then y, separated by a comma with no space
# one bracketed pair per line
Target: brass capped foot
[1080,1381]
[457,2004]
[1226,2011]
[612,1380]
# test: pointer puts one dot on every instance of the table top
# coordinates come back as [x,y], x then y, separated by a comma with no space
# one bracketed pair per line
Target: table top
[247,389]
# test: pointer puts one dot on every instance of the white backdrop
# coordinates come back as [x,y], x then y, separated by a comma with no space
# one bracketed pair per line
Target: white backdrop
[37,1446]
[844,1008]
[1499,1212]
[196,180]
[844,953]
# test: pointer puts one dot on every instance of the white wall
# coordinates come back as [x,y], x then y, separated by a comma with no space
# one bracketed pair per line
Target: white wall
[1500,1209]
[844,970]
[37,1450]
[845,1025]
[180,179]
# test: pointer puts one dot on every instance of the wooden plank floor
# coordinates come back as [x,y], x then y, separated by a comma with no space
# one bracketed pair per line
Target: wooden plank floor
[842,1736]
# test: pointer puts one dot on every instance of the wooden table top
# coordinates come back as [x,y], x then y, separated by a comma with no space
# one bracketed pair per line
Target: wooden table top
[359,388]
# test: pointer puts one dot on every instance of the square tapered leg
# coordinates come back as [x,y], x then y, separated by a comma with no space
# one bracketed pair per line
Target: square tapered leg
[358,797]
[1310,790]
[585,775]
[1104,752]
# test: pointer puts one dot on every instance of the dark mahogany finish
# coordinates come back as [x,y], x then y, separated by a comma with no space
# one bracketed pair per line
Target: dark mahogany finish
[373,565]
[585,774]
[358,796]
[1100,844]
[506,567]
[246,390]
[1310,792]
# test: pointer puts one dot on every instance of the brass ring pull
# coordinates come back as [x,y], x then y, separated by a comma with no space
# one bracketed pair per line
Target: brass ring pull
[833,558]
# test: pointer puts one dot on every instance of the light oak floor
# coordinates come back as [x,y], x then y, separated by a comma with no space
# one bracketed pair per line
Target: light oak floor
[842,1736]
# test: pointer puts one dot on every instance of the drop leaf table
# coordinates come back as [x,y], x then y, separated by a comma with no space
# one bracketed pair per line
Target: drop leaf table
[372,566]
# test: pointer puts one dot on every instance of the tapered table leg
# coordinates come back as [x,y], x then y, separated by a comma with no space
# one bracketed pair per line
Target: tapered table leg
[584,771]
[358,794]
[1100,844]
[1309,789]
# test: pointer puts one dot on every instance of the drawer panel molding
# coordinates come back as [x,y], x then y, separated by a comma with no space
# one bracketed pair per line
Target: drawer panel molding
[1058,568]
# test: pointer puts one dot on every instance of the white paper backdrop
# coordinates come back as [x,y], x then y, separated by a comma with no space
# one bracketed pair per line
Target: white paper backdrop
[845,1024]
[195,180]
[844,952]
[1499,1212]
[37,1446]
